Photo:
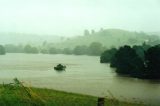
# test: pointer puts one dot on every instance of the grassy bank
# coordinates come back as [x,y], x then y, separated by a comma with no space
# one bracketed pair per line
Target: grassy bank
[17,95]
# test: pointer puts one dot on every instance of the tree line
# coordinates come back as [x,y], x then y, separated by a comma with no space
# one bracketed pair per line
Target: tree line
[137,61]
[95,49]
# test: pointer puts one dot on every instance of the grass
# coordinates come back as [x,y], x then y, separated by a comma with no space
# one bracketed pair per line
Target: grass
[15,94]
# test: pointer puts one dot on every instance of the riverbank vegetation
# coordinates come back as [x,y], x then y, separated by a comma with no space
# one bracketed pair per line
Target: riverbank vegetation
[136,61]
[16,94]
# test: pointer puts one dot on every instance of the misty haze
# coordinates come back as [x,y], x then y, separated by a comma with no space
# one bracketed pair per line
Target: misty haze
[79,53]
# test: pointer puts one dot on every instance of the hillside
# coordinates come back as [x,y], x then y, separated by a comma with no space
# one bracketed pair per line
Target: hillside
[109,38]
[22,38]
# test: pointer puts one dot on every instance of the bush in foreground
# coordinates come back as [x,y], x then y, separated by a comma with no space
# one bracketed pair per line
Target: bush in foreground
[15,94]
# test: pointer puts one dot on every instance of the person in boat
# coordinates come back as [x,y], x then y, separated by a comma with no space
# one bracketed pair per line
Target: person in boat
[60,67]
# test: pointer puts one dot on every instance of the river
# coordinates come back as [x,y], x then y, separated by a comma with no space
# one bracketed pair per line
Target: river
[84,75]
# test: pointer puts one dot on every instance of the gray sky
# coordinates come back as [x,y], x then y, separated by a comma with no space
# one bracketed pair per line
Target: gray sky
[71,17]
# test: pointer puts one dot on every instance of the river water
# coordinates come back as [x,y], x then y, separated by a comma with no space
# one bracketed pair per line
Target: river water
[84,75]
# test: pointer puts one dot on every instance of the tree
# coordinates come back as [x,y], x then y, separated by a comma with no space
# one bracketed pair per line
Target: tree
[140,51]
[30,49]
[126,61]
[80,50]
[27,49]
[92,31]
[107,55]
[67,51]
[86,32]
[44,51]
[53,50]
[10,48]
[95,48]
[34,50]
[152,60]
[2,50]
[145,46]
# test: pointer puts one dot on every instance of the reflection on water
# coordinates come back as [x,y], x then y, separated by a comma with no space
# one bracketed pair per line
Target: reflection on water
[84,74]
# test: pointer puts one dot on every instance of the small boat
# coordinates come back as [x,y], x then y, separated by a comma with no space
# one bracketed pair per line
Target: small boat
[60,67]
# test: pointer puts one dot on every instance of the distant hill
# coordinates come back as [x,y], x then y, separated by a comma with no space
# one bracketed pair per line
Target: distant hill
[109,38]
[21,38]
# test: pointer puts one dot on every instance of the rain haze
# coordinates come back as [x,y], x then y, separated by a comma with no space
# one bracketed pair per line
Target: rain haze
[106,49]
[71,17]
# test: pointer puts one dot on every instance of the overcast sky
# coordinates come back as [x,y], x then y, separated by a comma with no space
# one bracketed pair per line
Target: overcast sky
[71,17]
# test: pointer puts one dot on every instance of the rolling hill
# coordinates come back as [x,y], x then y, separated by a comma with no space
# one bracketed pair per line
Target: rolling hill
[109,38]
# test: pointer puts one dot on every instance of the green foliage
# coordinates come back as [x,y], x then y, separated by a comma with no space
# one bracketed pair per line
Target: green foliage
[16,94]
[88,44]
[30,49]
[2,50]
[146,46]
[152,59]
[44,51]
[95,48]
[109,38]
[80,50]
[86,32]
[53,50]
[126,61]
[138,61]
[107,55]
[10,48]
[67,51]
[139,51]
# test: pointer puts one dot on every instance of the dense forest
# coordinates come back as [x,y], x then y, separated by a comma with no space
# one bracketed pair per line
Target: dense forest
[137,61]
